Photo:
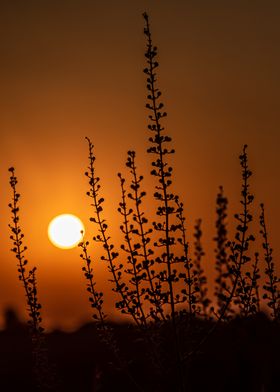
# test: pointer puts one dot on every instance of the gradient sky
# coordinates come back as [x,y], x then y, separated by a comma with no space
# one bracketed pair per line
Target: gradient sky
[73,68]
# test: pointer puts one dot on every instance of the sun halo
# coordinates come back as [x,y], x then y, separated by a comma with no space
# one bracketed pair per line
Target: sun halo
[65,231]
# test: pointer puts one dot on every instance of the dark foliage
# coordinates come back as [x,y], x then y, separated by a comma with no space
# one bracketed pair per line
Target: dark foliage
[43,375]
[242,355]
[176,341]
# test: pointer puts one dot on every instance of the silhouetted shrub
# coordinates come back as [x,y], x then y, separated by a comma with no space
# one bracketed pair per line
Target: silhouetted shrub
[176,340]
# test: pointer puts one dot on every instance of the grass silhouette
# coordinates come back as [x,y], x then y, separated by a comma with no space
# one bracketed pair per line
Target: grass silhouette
[159,285]
[43,375]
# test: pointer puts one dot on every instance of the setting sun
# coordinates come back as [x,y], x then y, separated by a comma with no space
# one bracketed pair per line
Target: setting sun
[64,231]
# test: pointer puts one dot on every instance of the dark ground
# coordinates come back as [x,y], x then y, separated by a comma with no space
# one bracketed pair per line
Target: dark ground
[241,356]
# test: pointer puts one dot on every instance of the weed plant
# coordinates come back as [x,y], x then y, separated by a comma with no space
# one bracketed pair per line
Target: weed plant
[156,285]
[43,375]
[157,274]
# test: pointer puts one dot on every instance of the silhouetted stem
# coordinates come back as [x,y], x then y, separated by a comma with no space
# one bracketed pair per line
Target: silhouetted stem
[96,297]
[19,250]
[162,176]
[163,186]
[102,229]
[241,249]
[125,213]
[201,278]
[243,246]
[271,287]
[187,260]
[43,374]
[138,215]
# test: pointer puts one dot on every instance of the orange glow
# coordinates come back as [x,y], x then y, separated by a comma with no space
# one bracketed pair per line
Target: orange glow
[74,69]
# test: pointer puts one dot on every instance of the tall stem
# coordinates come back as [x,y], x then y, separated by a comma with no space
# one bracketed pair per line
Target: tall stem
[163,173]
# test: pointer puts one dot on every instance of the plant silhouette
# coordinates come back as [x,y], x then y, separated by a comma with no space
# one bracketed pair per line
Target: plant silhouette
[43,373]
[158,272]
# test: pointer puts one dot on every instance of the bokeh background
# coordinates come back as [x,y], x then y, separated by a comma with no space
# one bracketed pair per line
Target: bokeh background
[71,69]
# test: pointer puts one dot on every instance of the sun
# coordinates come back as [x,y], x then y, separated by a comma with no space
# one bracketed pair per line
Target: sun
[64,231]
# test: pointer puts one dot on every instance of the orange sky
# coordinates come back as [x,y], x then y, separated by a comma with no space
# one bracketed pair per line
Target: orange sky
[71,69]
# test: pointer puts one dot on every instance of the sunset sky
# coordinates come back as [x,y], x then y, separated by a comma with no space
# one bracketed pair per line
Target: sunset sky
[73,68]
